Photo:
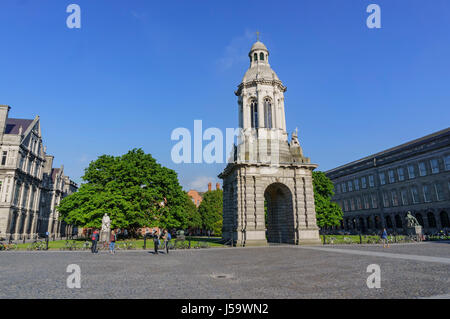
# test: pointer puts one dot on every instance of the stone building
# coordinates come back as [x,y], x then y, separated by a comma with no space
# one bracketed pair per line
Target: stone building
[265,169]
[377,191]
[23,167]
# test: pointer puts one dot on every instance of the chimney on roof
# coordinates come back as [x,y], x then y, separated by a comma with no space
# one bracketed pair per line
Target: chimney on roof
[4,110]
[217,186]
[209,186]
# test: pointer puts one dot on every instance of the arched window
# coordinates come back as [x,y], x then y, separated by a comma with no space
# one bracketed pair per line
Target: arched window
[398,221]
[254,113]
[267,113]
[444,219]
[388,222]
[420,219]
[255,57]
[261,56]
[431,220]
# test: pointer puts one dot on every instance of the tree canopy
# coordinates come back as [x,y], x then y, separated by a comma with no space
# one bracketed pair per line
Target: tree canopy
[133,189]
[194,219]
[328,213]
[210,210]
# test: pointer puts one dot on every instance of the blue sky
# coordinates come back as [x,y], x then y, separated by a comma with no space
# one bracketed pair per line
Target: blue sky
[138,69]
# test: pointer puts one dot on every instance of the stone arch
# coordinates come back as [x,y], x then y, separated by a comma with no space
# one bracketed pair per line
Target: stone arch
[388,222]
[420,219]
[444,219]
[361,224]
[431,220]
[398,221]
[280,214]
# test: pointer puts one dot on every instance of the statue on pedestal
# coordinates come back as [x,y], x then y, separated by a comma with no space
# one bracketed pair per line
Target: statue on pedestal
[106,228]
[413,226]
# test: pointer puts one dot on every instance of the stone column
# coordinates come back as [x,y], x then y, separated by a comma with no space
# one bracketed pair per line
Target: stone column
[260,109]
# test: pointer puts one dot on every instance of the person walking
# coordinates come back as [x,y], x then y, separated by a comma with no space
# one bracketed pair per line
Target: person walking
[156,241]
[112,242]
[167,237]
[384,237]
[94,239]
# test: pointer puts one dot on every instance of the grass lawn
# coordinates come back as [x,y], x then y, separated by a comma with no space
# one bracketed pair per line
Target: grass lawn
[136,243]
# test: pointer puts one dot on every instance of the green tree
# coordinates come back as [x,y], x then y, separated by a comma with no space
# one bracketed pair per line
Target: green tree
[133,189]
[194,219]
[328,213]
[210,210]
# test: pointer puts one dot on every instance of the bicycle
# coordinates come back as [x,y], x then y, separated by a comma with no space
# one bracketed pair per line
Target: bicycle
[8,246]
[37,245]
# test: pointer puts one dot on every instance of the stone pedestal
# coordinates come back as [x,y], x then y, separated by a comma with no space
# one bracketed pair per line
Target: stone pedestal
[104,235]
[414,231]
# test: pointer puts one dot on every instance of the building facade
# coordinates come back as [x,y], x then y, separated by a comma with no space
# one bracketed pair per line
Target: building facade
[266,170]
[377,191]
[24,168]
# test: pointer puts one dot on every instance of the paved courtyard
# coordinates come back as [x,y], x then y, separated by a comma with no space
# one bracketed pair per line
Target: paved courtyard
[407,271]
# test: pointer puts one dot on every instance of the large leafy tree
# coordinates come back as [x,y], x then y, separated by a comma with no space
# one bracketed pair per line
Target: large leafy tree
[194,219]
[133,189]
[328,213]
[210,210]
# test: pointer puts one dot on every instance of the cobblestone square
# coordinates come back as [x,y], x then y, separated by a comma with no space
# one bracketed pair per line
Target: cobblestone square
[407,271]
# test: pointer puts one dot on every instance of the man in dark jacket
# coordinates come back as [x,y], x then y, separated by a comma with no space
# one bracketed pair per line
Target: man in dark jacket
[94,239]
[156,241]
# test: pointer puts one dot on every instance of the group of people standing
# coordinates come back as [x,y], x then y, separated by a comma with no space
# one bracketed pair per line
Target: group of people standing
[165,236]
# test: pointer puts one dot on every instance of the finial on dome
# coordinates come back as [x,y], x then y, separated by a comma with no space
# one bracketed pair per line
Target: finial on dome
[257,35]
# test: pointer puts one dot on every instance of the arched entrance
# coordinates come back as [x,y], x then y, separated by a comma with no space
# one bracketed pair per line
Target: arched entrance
[280,215]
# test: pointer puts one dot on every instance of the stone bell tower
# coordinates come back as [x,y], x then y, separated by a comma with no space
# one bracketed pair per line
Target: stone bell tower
[267,186]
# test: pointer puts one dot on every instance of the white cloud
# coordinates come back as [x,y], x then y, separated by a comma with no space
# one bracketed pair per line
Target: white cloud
[237,50]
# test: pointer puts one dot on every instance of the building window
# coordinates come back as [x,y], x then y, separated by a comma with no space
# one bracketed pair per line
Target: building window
[414,195]
[447,162]
[345,205]
[261,56]
[374,201]
[371,181]
[385,199]
[352,204]
[382,179]
[4,156]
[366,202]
[358,203]
[439,191]
[344,188]
[391,176]
[401,174]
[254,113]
[255,57]
[267,113]
[422,169]
[363,182]
[411,173]
[338,188]
[426,193]
[356,184]
[350,186]
[404,195]
[394,198]
[434,166]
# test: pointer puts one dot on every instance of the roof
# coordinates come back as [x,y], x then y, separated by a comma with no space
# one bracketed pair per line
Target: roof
[260,72]
[258,46]
[392,150]
[13,125]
